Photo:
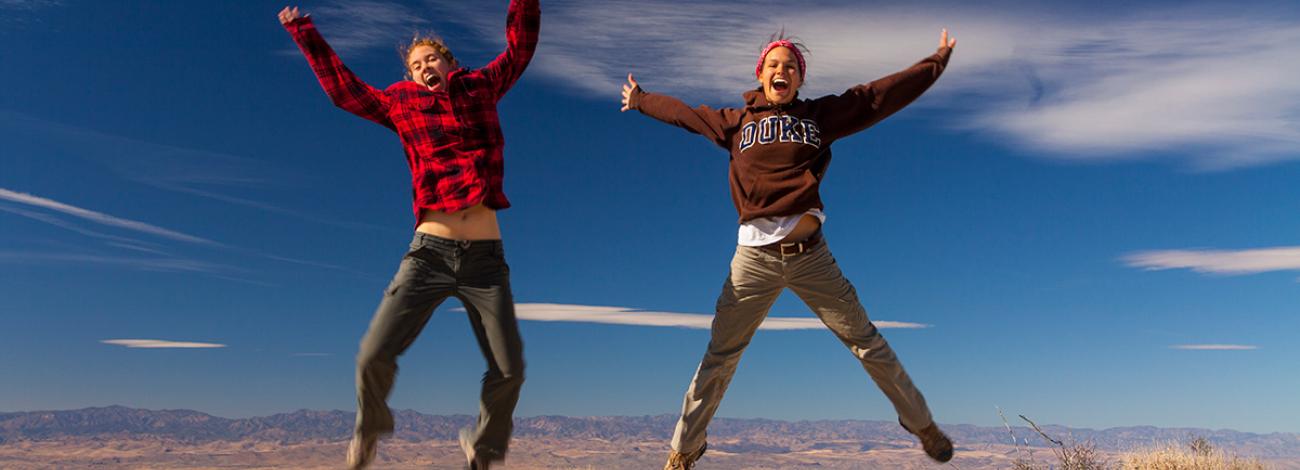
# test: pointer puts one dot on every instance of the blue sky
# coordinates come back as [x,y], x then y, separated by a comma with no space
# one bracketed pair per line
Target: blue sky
[1089,220]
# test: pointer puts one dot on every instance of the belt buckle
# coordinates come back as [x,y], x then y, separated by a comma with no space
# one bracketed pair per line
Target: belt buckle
[797,248]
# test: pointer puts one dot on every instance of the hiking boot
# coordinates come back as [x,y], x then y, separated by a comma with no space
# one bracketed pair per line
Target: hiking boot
[935,442]
[472,460]
[361,451]
[680,461]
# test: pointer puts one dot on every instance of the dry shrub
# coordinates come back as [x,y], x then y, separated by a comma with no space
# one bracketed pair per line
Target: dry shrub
[1076,456]
[1197,455]
[1081,457]
[1070,457]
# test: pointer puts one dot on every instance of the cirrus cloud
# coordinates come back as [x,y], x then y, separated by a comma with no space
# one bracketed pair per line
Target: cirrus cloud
[1214,347]
[160,344]
[1226,262]
[99,217]
[1211,88]
[630,316]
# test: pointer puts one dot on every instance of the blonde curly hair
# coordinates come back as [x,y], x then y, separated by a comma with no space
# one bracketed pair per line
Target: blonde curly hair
[430,40]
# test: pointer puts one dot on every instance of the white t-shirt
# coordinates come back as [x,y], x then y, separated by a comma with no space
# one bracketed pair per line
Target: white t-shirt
[769,230]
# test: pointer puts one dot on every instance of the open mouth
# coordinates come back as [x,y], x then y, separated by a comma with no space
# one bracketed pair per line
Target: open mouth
[432,80]
[780,85]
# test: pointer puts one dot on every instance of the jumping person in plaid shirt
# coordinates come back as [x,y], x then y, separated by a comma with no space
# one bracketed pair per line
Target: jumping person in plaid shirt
[446,117]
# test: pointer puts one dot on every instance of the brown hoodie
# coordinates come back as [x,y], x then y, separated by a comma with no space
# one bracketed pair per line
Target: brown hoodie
[780,152]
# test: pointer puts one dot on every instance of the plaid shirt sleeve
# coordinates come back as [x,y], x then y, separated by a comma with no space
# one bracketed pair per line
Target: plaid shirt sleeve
[343,87]
[523,21]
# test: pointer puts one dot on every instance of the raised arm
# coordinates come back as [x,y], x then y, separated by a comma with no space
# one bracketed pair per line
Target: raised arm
[343,87]
[864,105]
[703,120]
[523,21]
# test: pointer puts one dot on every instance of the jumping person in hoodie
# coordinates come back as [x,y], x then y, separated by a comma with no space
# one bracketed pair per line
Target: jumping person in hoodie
[446,118]
[780,149]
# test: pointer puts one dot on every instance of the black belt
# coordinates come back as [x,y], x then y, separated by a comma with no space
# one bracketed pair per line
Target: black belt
[801,246]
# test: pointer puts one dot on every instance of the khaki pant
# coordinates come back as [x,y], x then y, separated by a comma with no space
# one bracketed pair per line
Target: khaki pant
[757,277]
[434,269]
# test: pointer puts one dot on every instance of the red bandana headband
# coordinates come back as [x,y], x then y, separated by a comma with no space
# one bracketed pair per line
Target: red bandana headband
[775,44]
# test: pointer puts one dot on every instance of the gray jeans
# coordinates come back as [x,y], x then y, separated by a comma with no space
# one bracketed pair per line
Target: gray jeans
[436,268]
[757,277]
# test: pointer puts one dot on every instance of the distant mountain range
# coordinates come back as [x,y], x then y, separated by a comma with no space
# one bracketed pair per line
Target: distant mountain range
[742,435]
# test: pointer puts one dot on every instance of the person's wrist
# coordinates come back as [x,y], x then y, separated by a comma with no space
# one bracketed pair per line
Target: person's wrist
[634,98]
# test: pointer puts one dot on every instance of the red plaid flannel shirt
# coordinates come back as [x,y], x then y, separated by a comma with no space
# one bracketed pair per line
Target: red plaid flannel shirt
[452,138]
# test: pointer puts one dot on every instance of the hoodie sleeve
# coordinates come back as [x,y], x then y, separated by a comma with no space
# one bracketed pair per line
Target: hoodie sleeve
[714,124]
[865,105]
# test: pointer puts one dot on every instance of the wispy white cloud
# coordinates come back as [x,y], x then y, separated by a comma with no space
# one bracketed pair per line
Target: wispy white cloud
[28,5]
[630,316]
[160,344]
[1214,347]
[590,46]
[147,162]
[1228,262]
[162,264]
[1214,88]
[138,247]
[66,225]
[100,218]
[1216,91]
[201,173]
[157,258]
[314,264]
[353,26]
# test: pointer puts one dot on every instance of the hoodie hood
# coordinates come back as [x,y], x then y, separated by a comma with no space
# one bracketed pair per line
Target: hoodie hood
[755,100]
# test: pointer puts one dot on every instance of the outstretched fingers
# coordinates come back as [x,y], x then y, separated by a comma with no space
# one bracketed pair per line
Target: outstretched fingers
[628,88]
[945,40]
[289,14]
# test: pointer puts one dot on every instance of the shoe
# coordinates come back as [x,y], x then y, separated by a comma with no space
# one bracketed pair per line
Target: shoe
[361,451]
[935,442]
[472,460]
[680,461]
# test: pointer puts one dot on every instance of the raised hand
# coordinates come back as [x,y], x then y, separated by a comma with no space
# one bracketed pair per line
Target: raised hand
[945,41]
[289,14]
[628,88]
